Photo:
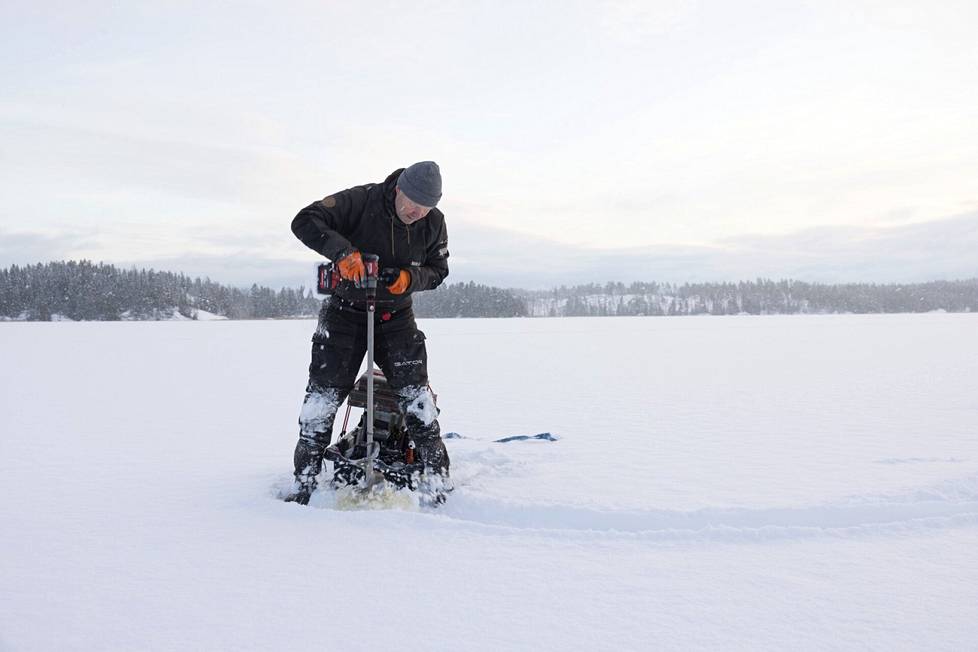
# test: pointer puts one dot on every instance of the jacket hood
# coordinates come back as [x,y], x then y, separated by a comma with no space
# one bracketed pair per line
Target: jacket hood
[390,184]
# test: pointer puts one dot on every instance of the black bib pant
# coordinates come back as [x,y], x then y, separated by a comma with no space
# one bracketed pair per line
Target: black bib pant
[338,348]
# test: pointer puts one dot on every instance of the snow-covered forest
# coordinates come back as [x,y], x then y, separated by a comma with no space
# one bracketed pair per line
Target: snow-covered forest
[86,291]
[760,297]
[469,300]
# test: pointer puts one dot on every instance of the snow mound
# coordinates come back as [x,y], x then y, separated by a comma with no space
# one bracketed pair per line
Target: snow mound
[950,504]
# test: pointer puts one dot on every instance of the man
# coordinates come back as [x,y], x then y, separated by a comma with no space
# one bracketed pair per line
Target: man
[398,221]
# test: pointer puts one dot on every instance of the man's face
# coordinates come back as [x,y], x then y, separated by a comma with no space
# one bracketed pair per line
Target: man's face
[407,211]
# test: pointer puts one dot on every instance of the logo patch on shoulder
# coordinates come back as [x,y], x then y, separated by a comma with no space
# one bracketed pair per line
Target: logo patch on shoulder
[329,201]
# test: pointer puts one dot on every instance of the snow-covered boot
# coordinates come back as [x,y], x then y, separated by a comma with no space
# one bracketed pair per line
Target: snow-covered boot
[308,460]
[301,491]
[435,482]
[421,424]
[431,449]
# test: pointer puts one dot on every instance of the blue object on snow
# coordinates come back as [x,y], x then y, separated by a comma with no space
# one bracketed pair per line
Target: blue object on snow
[452,435]
[545,436]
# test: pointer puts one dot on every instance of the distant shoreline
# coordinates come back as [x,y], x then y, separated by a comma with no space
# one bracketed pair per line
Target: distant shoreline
[85,291]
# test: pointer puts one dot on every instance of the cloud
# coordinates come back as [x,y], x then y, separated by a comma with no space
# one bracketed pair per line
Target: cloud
[633,22]
[27,248]
[90,162]
[939,249]
[237,271]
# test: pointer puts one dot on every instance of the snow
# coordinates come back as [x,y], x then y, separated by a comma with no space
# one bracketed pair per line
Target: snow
[803,482]
[172,315]
[422,407]
[203,315]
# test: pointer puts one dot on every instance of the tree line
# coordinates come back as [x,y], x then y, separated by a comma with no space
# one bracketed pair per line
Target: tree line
[82,290]
[469,300]
[760,297]
[85,291]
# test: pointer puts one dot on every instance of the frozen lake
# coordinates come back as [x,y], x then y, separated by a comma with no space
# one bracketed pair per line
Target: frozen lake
[780,482]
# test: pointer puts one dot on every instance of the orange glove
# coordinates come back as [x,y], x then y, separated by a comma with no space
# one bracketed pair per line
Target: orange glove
[351,266]
[401,283]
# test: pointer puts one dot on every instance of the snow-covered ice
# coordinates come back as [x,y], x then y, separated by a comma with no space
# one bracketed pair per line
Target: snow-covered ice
[781,482]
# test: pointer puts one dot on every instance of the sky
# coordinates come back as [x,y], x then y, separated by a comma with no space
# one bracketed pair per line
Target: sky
[578,141]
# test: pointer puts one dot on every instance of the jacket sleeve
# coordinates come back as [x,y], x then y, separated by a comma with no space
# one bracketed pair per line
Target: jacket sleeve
[435,269]
[322,224]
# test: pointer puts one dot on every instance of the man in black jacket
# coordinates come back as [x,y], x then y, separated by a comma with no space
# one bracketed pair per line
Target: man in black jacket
[398,221]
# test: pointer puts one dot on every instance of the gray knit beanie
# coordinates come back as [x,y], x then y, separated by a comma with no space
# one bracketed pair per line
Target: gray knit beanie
[421,183]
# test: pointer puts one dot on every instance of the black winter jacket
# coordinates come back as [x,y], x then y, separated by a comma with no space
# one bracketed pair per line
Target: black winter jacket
[363,218]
